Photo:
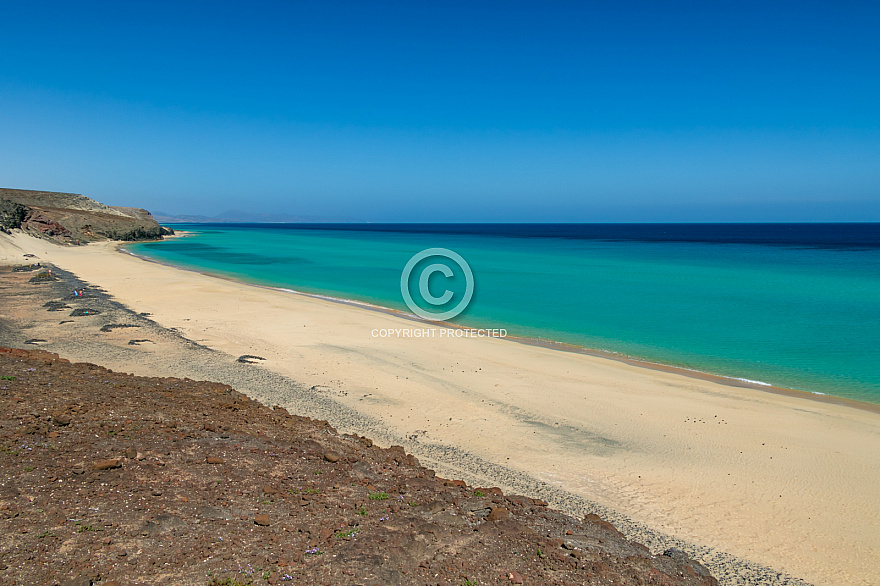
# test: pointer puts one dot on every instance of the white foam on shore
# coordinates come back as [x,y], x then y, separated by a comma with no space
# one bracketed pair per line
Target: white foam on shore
[334,299]
[758,382]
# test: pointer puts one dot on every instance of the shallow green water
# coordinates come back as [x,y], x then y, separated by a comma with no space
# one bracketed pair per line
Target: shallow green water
[800,317]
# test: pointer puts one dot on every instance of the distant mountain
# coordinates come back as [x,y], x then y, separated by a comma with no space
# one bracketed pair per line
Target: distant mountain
[238,216]
[72,218]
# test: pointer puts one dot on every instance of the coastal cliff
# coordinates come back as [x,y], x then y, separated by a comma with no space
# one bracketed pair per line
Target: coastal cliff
[70,218]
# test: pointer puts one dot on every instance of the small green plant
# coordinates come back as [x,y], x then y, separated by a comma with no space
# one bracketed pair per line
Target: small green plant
[540,553]
[318,472]
[28,468]
[478,493]
[84,528]
[413,503]
[46,533]
[311,491]
[266,575]
[344,534]
[8,378]
[362,511]
[378,496]
[470,583]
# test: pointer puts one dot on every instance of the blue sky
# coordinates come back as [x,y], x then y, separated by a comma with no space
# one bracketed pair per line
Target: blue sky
[452,111]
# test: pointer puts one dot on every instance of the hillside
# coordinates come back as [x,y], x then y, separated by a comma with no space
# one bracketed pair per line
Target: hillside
[113,478]
[71,218]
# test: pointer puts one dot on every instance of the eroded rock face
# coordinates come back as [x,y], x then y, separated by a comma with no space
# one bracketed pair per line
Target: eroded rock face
[39,223]
[71,218]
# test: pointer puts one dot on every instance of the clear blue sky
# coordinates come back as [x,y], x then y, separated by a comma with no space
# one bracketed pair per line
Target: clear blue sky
[449,111]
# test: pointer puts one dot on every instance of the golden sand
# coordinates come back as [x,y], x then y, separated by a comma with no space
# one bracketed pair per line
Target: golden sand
[786,482]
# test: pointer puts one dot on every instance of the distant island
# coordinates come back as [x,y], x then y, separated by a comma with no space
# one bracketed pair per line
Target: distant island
[238,216]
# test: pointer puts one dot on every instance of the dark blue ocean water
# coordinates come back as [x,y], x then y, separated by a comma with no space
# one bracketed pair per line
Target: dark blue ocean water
[794,305]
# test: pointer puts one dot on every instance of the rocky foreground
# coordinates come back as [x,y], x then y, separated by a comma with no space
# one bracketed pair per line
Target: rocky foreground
[70,218]
[109,478]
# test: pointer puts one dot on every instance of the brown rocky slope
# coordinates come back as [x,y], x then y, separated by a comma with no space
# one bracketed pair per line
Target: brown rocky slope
[109,478]
[72,218]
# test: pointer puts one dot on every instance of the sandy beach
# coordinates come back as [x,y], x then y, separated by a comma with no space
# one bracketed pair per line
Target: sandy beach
[778,480]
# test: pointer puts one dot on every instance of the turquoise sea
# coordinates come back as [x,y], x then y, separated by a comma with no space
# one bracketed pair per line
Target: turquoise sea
[796,306]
